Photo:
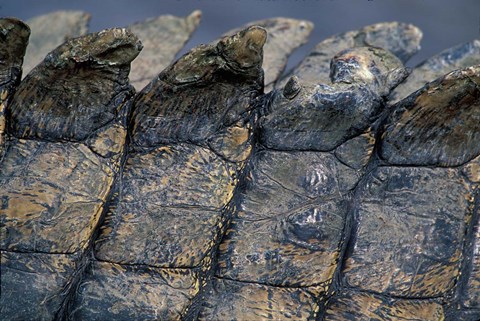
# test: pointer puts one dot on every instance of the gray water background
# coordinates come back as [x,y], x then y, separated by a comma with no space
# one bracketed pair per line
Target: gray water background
[444,23]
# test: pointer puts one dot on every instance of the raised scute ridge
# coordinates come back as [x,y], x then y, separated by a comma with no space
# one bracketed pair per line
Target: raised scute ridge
[284,36]
[206,90]
[402,39]
[51,30]
[75,90]
[13,43]
[162,38]
[321,117]
[14,36]
[439,125]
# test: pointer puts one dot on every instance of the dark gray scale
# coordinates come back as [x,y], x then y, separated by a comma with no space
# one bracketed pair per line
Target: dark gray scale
[458,57]
[286,238]
[471,293]
[190,138]
[401,39]
[468,305]
[409,236]
[65,139]
[14,35]
[348,106]
[416,226]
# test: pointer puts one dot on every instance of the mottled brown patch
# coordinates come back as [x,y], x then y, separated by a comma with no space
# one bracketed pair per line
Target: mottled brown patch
[229,300]
[178,175]
[34,285]
[233,143]
[119,292]
[170,208]
[411,225]
[365,307]
[53,195]
[109,141]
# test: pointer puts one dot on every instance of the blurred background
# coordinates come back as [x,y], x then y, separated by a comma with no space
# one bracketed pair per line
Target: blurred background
[444,23]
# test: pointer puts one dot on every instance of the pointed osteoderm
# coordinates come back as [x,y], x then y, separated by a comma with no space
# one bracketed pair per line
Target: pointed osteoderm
[76,89]
[207,89]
